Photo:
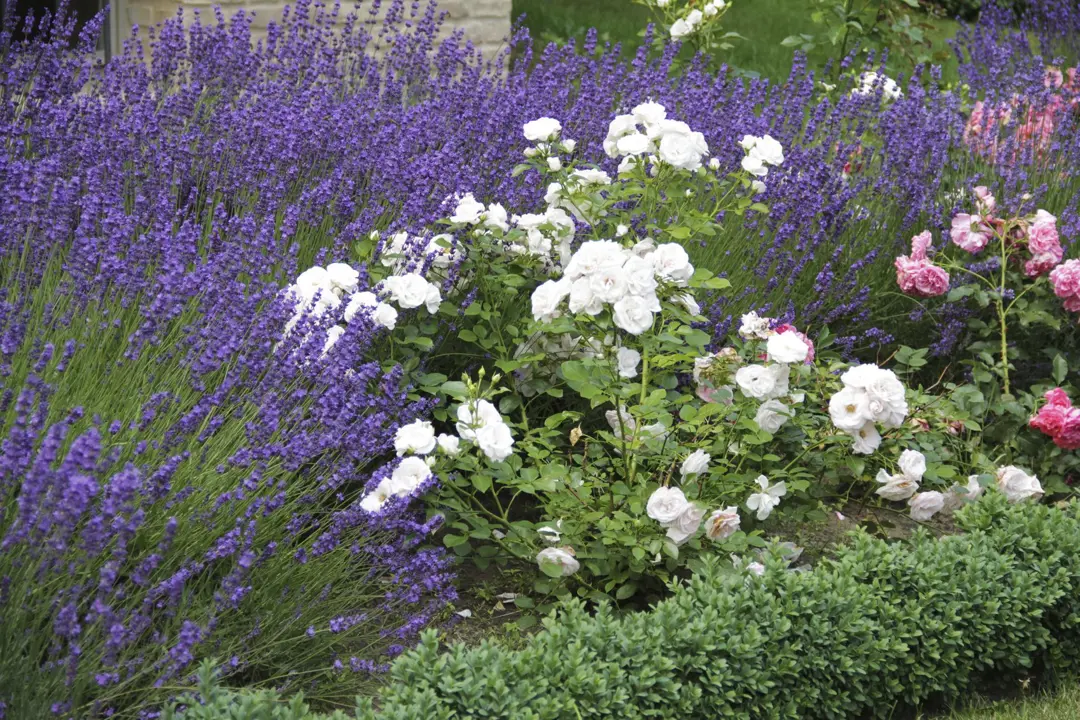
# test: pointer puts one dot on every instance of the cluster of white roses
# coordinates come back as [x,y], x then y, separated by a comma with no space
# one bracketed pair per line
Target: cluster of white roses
[603,273]
[761,153]
[319,290]
[1013,482]
[869,82]
[479,422]
[871,395]
[647,132]
[409,475]
[693,20]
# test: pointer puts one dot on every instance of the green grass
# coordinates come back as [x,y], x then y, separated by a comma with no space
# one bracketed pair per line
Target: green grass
[764,24]
[1061,706]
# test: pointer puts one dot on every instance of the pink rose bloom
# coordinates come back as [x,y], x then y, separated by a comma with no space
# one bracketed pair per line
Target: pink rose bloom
[1053,78]
[984,200]
[1065,279]
[1068,438]
[916,275]
[969,232]
[1052,416]
[785,328]
[1046,250]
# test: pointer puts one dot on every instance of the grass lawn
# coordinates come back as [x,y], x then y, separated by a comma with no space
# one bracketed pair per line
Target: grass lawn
[1062,706]
[764,24]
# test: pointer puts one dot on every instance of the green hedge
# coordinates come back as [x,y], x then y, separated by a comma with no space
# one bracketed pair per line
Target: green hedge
[881,627]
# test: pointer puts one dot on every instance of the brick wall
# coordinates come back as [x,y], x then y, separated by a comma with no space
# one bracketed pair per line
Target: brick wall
[485,22]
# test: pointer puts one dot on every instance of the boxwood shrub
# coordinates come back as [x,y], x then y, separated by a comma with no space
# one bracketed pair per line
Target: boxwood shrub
[878,628]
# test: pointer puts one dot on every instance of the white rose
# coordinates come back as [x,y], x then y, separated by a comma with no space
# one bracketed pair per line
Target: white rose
[722,524]
[385,315]
[867,439]
[772,415]
[474,415]
[752,326]
[583,299]
[547,297]
[417,437]
[886,399]
[342,277]
[666,504]
[468,210]
[913,464]
[554,164]
[769,150]
[544,129]
[769,497]
[332,336]
[619,127]
[567,563]
[635,144]
[640,278]
[680,146]
[495,441]
[628,360]
[374,501]
[315,278]
[444,250]
[754,165]
[591,176]
[925,505]
[960,494]
[686,524]
[896,487]
[357,302]
[1017,484]
[761,382]
[649,113]
[392,251]
[671,263]
[633,314]
[687,301]
[849,409]
[695,463]
[408,291]
[496,217]
[449,444]
[680,29]
[609,284]
[757,186]
[786,348]
[409,475]
[595,255]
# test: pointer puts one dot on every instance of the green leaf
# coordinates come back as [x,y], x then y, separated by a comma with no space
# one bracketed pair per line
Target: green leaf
[625,591]
[481,482]
[453,540]
[1061,369]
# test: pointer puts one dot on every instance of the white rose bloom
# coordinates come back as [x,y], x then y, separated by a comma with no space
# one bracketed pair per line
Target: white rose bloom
[687,301]
[342,277]
[433,299]
[408,291]
[496,217]
[680,29]
[772,415]
[618,128]
[896,487]
[591,176]
[444,250]
[748,142]
[666,504]
[495,441]
[314,278]
[332,336]
[627,165]
[595,255]
[566,562]
[1017,485]
[757,186]
[609,284]
[769,150]
[357,302]
[621,230]
[417,437]
[544,129]
[769,497]
[554,164]
[886,399]
[925,505]
[633,314]
[393,250]
[449,444]
[680,146]
[695,463]
[671,263]
[583,299]
[913,464]
[649,113]
[547,297]
[374,501]
[753,326]
[761,382]
[849,409]
[640,278]
[722,524]
[409,475]
[754,165]
[468,210]
[867,439]
[474,415]
[755,568]
[635,144]
[385,315]
[628,360]
[686,524]
[958,494]
[786,348]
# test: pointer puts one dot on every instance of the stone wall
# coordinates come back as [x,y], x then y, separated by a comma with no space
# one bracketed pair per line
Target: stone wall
[485,22]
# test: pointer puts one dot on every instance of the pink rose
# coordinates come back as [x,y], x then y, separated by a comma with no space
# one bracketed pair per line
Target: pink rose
[1059,419]
[1065,279]
[969,232]
[916,275]
[984,200]
[785,328]
[1044,245]
[1053,77]
[1068,438]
